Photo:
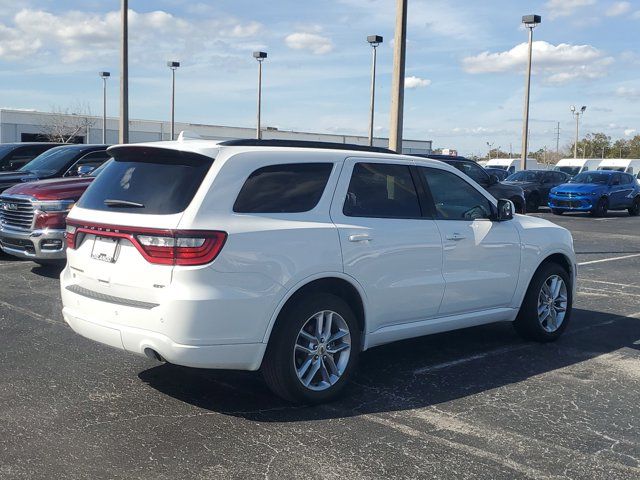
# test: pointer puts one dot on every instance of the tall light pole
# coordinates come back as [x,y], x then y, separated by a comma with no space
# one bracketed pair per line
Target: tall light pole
[531,22]
[123,136]
[374,41]
[173,66]
[397,84]
[576,113]
[104,76]
[489,145]
[259,56]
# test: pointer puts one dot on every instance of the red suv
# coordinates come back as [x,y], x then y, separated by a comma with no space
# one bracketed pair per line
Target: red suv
[33,215]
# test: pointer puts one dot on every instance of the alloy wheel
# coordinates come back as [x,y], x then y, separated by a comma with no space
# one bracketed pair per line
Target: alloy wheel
[552,303]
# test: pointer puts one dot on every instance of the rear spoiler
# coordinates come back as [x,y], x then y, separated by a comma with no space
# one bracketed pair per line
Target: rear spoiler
[146,153]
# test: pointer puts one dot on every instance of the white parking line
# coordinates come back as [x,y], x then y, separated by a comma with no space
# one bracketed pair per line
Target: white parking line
[508,349]
[29,313]
[609,283]
[608,259]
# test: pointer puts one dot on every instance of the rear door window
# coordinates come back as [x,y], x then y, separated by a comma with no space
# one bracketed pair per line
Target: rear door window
[382,191]
[151,180]
[286,188]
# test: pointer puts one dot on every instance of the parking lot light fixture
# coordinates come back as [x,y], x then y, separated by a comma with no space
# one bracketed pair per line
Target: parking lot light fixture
[530,22]
[576,113]
[259,56]
[374,41]
[173,65]
[104,76]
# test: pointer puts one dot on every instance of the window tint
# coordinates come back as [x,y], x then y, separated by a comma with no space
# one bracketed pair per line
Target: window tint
[288,188]
[454,198]
[383,191]
[151,185]
[560,177]
[626,179]
[474,171]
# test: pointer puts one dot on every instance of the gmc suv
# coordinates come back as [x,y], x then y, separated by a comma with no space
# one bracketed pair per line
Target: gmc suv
[293,258]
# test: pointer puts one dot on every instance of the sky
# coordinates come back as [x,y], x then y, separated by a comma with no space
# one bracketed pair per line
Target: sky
[465,64]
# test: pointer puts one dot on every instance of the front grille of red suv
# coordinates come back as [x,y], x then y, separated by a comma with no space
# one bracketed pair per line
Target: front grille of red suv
[16,212]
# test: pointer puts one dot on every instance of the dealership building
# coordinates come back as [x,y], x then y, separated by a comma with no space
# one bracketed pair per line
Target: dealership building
[30,125]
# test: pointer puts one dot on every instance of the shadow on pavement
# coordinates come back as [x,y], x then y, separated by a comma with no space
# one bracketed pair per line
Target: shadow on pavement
[387,379]
[52,270]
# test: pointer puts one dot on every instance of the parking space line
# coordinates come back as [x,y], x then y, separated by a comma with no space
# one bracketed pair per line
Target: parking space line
[610,283]
[608,259]
[508,349]
[29,313]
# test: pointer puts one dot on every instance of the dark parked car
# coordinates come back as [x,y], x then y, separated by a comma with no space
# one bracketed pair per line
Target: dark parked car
[597,192]
[501,173]
[536,185]
[15,155]
[482,178]
[61,161]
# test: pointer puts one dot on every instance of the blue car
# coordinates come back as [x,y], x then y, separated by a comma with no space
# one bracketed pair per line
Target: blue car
[596,192]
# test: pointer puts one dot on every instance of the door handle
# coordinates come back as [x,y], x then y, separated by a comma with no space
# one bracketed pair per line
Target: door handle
[456,237]
[361,237]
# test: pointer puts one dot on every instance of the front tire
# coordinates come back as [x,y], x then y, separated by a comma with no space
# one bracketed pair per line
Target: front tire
[600,210]
[313,350]
[634,209]
[546,309]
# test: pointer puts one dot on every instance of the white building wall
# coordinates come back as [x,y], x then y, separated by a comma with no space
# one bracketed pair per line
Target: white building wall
[13,123]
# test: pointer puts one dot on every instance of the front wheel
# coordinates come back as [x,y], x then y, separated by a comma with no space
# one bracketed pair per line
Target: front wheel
[546,309]
[600,210]
[313,350]
[634,209]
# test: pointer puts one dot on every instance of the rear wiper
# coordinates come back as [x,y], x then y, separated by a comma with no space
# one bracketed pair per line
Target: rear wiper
[122,203]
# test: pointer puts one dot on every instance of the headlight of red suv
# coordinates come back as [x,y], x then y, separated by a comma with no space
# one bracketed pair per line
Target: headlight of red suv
[51,214]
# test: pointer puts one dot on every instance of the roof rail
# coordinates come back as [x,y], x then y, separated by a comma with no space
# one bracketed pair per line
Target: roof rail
[252,142]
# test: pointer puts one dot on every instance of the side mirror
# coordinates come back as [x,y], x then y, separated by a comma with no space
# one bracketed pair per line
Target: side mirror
[505,210]
[493,179]
[84,170]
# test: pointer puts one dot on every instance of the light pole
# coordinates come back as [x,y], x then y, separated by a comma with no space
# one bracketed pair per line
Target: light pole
[397,83]
[173,66]
[124,74]
[374,41]
[104,76]
[531,22]
[576,113]
[259,56]
[489,145]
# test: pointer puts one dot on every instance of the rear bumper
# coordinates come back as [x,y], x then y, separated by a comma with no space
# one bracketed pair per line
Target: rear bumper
[48,244]
[244,356]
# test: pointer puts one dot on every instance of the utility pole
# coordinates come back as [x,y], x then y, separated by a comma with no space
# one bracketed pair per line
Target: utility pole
[558,141]
[397,85]
[124,75]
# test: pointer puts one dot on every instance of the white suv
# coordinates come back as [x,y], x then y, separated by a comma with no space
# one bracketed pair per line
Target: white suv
[293,258]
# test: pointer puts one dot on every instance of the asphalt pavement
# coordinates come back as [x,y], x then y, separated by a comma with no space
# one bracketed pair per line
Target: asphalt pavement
[476,403]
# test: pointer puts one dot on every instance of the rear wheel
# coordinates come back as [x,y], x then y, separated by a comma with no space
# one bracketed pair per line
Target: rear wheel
[546,309]
[601,207]
[313,350]
[634,209]
[517,202]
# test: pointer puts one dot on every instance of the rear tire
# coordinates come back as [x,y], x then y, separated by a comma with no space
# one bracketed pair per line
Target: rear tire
[600,210]
[540,299]
[296,349]
[634,210]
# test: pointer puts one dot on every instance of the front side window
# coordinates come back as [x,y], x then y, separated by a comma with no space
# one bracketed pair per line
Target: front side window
[287,188]
[455,199]
[381,191]
[473,171]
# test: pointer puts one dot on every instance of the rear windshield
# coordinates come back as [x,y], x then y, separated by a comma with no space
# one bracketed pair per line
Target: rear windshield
[155,184]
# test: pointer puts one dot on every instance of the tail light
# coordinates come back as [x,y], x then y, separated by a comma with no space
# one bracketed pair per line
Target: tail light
[164,247]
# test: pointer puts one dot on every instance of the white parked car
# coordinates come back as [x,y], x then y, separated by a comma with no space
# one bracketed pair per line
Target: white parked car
[293,258]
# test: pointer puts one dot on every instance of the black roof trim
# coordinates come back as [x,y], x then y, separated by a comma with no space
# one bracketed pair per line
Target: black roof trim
[252,142]
[436,156]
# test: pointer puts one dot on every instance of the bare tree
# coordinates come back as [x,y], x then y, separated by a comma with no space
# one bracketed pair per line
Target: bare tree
[64,125]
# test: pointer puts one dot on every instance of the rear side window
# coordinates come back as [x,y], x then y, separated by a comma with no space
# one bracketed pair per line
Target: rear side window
[381,191]
[286,188]
[159,182]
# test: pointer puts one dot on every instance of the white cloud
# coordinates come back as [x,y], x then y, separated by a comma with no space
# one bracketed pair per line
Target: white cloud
[416,82]
[558,63]
[618,8]
[628,92]
[313,42]
[76,36]
[564,8]
[629,131]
